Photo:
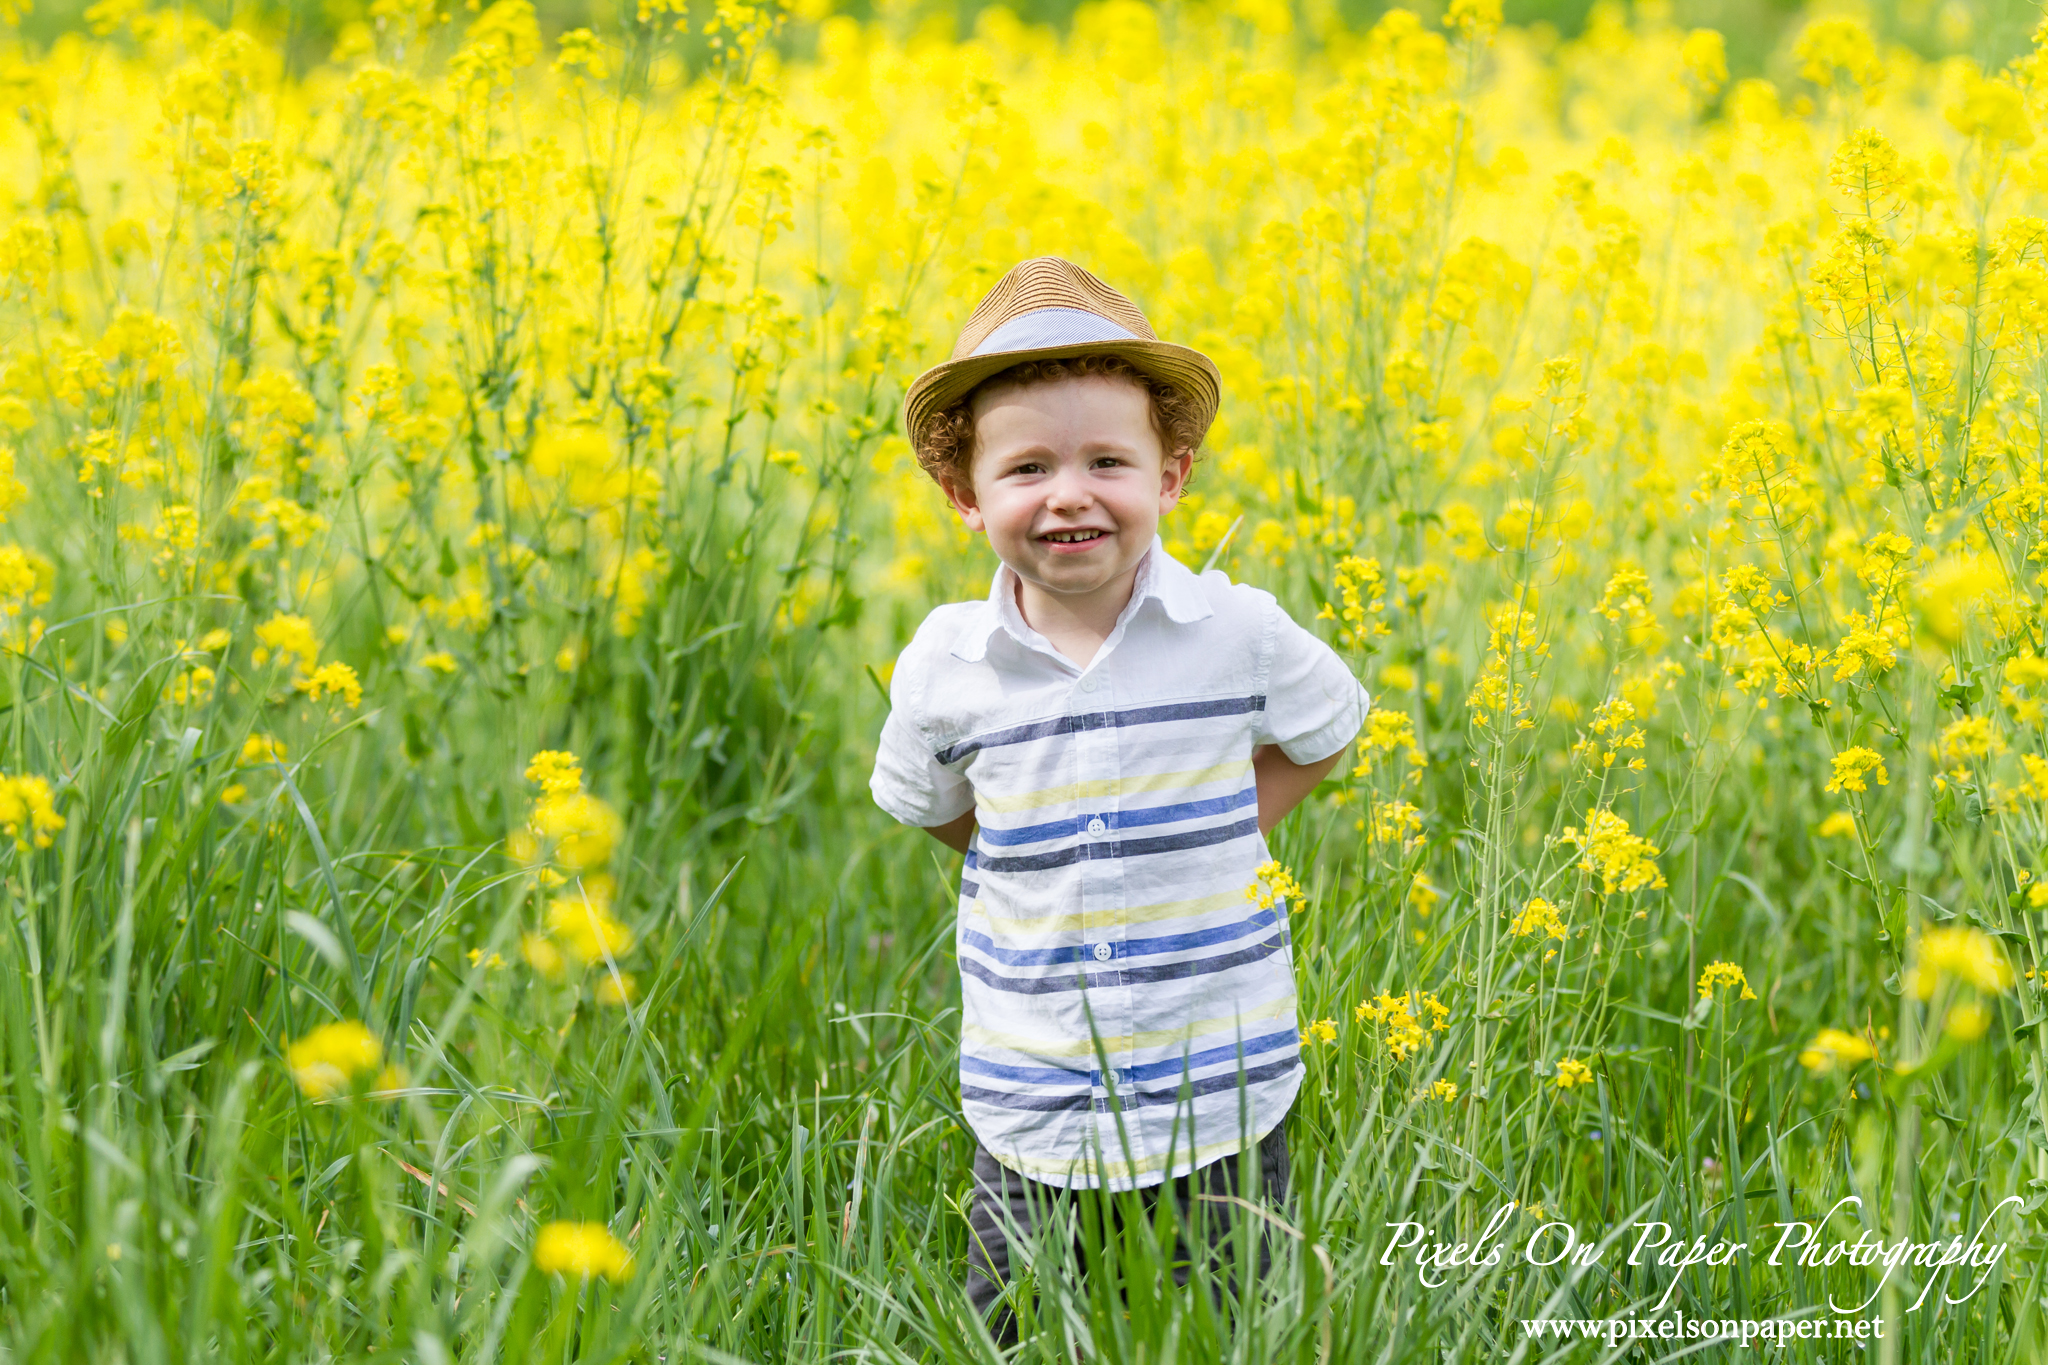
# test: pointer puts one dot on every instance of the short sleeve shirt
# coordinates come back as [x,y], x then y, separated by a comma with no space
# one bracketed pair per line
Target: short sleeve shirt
[1128,1011]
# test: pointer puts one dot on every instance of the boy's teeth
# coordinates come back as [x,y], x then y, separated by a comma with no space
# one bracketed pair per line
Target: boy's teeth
[1072,535]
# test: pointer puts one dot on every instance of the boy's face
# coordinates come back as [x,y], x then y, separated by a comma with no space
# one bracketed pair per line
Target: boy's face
[1069,480]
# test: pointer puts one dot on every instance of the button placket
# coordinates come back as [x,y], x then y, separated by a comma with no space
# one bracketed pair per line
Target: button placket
[1094,872]
[1111,952]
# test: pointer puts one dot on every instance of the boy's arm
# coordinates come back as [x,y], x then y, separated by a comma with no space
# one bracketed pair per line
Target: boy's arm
[1283,783]
[909,782]
[954,834]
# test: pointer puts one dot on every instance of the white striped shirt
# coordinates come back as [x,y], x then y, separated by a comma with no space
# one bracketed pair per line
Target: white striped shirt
[1106,883]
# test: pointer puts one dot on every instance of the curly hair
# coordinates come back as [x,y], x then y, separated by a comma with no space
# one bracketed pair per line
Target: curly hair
[945,447]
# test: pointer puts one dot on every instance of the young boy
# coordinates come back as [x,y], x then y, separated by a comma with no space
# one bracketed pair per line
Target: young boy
[1108,738]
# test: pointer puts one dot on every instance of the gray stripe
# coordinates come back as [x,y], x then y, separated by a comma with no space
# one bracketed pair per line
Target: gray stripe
[1103,720]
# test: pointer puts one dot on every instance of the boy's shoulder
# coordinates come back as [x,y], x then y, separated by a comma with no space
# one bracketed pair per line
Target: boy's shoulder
[931,646]
[1225,594]
[1240,612]
[941,627]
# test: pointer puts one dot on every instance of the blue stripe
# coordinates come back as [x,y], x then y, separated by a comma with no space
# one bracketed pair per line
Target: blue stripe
[1172,1066]
[1135,976]
[969,890]
[1102,720]
[1150,1071]
[1139,1099]
[1135,947]
[1198,938]
[1026,1075]
[1229,1080]
[1124,848]
[1123,819]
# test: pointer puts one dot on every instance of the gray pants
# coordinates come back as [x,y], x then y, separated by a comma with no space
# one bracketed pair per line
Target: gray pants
[1029,1204]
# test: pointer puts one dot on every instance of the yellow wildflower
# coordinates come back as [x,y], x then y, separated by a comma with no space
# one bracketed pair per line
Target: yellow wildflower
[581,829]
[1967,1021]
[1476,19]
[1387,733]
[1970,737]
[262,749]
[1962,954]
[1955,588]
[1832,1047]
[1720,974]
[1322,1030]
[26,805]
[1401,1017]
[1835,47]
[1570,1073]
[581,1250]
[542,955]
[583,924]
[338,679]
[1275,884]
[1362,593]
[1397,822]
[1853,766]
[326,1061]
[557,771]
[1622,859]
[1538,916]
[289,640]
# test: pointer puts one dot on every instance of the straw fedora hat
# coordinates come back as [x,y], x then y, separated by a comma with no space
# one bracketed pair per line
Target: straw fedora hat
[1051,309]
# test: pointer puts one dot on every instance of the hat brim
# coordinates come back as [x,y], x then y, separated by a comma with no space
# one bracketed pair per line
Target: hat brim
[943,385]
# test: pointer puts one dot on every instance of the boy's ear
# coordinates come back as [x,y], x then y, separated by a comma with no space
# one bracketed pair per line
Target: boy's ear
[1173,478]
[960,492]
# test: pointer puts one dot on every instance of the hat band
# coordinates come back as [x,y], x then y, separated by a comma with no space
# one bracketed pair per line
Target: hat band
[1044,327]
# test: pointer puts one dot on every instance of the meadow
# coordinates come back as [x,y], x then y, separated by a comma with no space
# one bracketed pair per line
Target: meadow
[457,533]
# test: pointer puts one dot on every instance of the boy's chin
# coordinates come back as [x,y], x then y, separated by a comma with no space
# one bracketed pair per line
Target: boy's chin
[1077,575]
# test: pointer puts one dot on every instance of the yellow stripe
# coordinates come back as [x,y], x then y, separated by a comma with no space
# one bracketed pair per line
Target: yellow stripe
[1097,788]
[1162,1037]
[1120,1169]
[1102,919]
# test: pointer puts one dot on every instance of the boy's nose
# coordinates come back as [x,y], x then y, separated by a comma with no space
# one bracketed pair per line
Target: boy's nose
[1069,491]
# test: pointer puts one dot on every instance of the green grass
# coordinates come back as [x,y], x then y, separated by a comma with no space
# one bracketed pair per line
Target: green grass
[775,1129]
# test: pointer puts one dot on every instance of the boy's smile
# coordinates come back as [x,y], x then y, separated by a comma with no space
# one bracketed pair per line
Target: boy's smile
[1069,481]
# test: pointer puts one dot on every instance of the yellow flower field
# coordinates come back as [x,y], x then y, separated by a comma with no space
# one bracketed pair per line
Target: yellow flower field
[457,531]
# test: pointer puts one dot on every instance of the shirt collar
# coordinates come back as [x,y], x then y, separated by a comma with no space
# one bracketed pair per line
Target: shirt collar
[1160,575]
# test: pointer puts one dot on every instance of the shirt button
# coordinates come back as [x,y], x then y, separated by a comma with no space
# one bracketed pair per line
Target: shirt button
[1096,827]
[1104,952]
[1090,683]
